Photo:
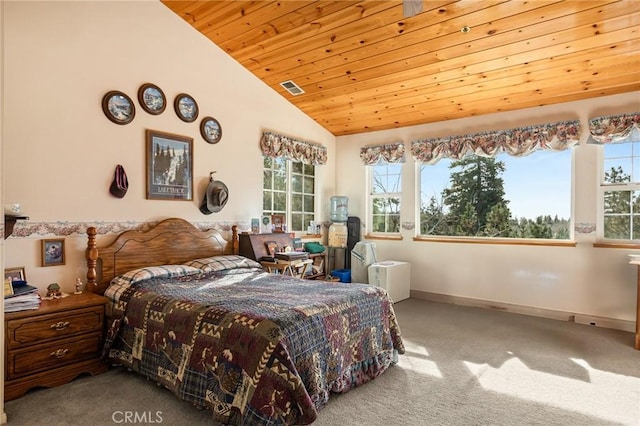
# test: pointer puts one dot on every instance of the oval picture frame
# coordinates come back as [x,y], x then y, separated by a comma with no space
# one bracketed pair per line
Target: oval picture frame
[186,107]
[152,99]
[211,130]
[118,107]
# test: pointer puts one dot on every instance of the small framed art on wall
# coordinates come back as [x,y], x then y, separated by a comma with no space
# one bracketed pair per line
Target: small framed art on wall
[52,252]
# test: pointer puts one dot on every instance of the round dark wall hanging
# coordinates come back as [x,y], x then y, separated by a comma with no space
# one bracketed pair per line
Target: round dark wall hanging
[210,130]
[152,99]
[186,107]
[118,107]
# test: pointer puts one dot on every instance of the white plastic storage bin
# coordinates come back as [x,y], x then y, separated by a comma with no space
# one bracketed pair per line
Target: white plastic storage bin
[393,276]
[362,256]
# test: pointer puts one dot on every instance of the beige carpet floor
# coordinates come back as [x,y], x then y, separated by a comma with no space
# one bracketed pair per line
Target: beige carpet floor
[463,366]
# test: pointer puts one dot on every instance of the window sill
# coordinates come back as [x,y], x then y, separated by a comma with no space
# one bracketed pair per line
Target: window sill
[502,241]
[617,245]
[307,236]
[391,237]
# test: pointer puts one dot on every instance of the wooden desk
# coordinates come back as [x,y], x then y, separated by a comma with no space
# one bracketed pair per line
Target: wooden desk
[296,268]
[253,247]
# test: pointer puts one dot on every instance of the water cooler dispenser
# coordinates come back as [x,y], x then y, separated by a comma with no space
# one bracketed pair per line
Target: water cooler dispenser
[338,233]
[338,215]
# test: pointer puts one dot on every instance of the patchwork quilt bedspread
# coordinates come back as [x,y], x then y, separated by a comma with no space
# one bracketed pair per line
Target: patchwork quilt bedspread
[253,347]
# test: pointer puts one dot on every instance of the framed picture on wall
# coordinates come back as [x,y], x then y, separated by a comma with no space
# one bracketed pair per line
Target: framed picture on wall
[52,252]
[152,99]
[169,160]
[118,107]
[277,221]
[210,130]
[186,107]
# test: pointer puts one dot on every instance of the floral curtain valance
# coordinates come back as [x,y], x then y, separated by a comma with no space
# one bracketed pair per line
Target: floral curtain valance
[615,128]
[390,153]
[517,142]
[274,145]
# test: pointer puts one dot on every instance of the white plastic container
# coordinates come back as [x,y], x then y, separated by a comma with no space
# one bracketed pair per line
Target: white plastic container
[338,234]
[393,276]
[362,255]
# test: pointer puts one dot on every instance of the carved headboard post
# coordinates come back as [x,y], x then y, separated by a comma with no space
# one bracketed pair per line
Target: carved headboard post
[234,239]
[92,260]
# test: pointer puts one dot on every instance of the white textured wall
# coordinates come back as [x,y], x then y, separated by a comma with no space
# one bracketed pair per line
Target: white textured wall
[60,150]
[582,279]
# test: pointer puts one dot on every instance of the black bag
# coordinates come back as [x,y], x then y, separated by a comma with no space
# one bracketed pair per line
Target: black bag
[120,183]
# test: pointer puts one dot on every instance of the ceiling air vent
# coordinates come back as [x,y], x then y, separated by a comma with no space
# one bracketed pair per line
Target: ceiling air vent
[292,88]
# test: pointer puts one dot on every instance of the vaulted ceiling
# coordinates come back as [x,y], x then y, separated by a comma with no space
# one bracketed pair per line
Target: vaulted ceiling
[363,66]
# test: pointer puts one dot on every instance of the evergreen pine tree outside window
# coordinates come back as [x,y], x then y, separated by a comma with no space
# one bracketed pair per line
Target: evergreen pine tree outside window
[620,191]
[498,197]
[619,200]
[507,183]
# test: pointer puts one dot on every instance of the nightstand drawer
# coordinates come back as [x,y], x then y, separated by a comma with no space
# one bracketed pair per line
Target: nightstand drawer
[30,360]
[25,331]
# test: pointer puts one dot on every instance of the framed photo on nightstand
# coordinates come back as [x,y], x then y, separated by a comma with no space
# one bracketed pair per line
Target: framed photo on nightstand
[15,274]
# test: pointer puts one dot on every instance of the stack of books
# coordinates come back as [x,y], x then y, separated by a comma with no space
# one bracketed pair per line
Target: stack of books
[23,297]
[292,255]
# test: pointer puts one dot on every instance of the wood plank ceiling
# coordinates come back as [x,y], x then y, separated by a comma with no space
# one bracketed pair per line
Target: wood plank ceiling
[364,67]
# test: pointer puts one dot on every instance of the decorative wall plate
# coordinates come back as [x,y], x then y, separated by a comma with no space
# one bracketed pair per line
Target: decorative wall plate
[152,99]
[186,107]
[118,107]
[210,130]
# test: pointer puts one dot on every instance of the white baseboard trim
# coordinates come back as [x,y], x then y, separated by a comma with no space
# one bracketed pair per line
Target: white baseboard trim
[3,419]
[613,323]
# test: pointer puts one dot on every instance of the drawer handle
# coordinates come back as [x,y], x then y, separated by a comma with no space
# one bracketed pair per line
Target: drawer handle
[61,325]
[59,353]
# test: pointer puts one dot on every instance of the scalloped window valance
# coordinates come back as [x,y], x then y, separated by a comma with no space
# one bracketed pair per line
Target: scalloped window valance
[275,146]
[615,128]
[517,142]
[389,153]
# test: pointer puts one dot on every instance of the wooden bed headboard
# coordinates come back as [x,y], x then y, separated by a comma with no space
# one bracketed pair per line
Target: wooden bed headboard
[172,241]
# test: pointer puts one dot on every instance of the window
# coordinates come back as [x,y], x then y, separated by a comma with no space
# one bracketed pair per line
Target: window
[289,189]
[497,197]
[384,196]
[620,192]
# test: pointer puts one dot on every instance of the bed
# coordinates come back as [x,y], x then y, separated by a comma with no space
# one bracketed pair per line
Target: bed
[218,331]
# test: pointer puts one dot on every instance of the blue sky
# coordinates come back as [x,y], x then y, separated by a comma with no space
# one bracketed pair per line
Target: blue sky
[625,155]
[538,184]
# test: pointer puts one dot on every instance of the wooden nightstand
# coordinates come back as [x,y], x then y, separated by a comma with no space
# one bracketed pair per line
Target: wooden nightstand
[54,344]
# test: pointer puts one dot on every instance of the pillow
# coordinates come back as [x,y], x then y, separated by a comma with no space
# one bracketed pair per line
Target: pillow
[221,263]
[164,271]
